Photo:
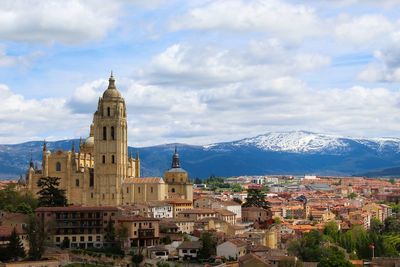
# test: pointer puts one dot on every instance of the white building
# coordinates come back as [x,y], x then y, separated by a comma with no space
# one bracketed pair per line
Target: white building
[232,249]
[233,207]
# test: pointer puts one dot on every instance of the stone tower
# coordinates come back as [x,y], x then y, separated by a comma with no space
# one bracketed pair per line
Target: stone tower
[110,146]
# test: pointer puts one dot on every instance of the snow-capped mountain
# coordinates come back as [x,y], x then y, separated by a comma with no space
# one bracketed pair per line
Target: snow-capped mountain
[308,142]
[296,152]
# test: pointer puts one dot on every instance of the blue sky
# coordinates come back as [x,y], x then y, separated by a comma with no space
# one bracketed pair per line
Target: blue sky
[200,72]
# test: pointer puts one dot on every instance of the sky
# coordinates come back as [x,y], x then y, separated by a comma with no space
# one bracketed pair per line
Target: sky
[200,72]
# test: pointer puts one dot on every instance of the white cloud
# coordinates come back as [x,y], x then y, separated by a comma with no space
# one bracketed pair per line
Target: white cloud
[70,21]
[31,119]
[362,30]
[16,61]
[204,67]
[275,17]
[386,67]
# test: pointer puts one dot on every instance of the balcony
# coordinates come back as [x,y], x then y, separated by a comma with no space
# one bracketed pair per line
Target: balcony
[146,233]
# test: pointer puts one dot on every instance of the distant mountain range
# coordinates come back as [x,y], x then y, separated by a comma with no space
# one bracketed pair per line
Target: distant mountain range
[295,152]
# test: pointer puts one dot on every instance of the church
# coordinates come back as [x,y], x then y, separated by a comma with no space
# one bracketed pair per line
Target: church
[100,172]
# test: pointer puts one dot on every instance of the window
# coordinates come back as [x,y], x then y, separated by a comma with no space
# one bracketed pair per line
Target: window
[57,239]
[58,166]
[184,251]
[91,195]
[77,182]
[112,133]
[103,196]
[98,238]
[127,190]
[90,238]
[113,159]
[112,195]
[91,178]
[74,239]
[104,133]
[151,189]
[138,190]
[173,190]
[150,225]
[108,112]
[82,238]
[104,159]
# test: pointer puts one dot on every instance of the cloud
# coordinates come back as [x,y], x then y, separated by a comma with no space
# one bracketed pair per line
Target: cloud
[362,30]
[202,67]
[386,67]
[52,21]
[16,61]
[31,119]
[275,17]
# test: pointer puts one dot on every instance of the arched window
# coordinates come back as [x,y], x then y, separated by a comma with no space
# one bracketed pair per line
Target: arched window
[104,159]
[58,166]
[138,190]
[112,159]
[108,112]
[151,189]
[104,133]
[77,182]
[173,190]
[112,133]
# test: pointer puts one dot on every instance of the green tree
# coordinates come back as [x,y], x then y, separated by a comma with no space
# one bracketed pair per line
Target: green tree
[392,181]
[15,249]
[236,188]
[109,235]
[36,238]
[49,194]
[331,230]
[24,208]
[255,198]
[334,260]
[122,235]
[352,195]
[392,224]
[163,264]
[209,245]
[137,259]
[376,226]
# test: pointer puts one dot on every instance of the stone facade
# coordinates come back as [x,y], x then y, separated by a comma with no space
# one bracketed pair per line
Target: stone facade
[101,172]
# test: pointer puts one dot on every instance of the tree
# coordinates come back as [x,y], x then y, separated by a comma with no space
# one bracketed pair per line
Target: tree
[392,181]
[163,264]
[209,245]
[110,235]
[49,194]
[352,195]
[392,225]
[376,226]
[36,238]
[198,181]
[136,259]
[334,260]
[331,229]
[15,249]
[255,198]
[237,200]
[24,208]
[236,188]
[122,235]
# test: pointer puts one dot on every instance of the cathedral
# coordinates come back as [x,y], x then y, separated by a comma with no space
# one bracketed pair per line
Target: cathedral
[101,172]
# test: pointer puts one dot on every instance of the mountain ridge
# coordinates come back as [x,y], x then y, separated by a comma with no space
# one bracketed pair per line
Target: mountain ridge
[286,152]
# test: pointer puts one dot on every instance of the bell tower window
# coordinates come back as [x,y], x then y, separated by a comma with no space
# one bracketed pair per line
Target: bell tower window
[104,133]
[108,112]
[58,166]
[112,159]
[112,133]
[104,159]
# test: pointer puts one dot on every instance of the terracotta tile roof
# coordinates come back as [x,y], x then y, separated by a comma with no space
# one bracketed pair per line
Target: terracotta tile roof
[225,212]
[238,242]
[197,211]
[144,180]
[190,245]
[134,218]
[177,201]
[77,208]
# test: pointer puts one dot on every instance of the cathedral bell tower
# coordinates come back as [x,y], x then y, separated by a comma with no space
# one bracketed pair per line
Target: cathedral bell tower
[110,147]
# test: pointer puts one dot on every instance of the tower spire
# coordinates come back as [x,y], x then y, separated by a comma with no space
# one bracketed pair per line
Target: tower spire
[111,81]
[31,161]
[175,159]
